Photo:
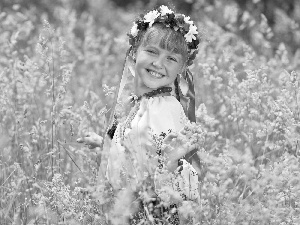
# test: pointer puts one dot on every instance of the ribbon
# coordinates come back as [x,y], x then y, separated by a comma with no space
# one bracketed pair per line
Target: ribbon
[125,74]
[187,95]
[187,100]
[191,95]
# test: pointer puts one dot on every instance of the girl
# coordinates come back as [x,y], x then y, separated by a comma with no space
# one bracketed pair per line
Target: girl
[142,148]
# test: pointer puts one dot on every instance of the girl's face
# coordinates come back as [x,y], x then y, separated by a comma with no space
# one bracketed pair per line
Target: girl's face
[157,67]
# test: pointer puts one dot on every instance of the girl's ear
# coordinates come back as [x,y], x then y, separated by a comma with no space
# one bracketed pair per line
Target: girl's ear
[183,69]
[184,65]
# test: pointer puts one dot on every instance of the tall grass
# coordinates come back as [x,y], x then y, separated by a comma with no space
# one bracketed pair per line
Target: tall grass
[57,81]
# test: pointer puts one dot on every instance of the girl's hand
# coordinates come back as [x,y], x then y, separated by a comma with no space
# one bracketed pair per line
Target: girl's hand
[176,145]
[91,139]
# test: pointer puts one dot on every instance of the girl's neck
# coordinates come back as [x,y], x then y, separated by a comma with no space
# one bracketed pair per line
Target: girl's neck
[162,91]
[143,90]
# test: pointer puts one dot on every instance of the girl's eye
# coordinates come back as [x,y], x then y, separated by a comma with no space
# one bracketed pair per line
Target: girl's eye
[151,51]
[173,59]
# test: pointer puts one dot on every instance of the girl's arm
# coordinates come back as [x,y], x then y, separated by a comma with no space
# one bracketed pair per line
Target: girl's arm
[175,147]
[91,139]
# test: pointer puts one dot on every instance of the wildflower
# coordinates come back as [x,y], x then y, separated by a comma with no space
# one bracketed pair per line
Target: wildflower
[134,30]
[151,16]
[190,36]
[165,10]
[187,20]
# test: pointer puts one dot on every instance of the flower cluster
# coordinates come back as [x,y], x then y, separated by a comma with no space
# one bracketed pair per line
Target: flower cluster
[178,22]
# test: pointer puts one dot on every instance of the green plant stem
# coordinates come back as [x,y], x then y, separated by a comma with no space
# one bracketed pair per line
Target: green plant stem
[53,109]
[69,155]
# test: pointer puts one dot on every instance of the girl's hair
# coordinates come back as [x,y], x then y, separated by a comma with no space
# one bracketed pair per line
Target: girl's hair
[166,37]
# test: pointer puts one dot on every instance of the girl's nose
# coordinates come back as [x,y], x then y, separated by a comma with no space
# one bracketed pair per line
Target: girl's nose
[158,63]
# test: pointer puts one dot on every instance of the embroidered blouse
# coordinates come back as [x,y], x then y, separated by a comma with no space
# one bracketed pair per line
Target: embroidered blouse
[133,154]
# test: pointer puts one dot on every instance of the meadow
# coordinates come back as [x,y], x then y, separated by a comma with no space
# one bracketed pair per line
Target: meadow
[58,75]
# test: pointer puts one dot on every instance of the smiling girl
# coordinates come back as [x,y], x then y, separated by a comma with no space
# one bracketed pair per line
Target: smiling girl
[155,101]
[161,56]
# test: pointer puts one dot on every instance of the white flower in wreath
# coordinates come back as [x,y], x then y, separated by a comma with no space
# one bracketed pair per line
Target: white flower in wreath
[134,30]
[190,36]
[151,16]
[165,10]
[187,20]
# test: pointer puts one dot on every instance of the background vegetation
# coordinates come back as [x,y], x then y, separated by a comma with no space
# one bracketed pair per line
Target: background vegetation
[59,64]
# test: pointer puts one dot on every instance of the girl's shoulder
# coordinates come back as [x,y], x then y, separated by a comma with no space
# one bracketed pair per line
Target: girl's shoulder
[165,113]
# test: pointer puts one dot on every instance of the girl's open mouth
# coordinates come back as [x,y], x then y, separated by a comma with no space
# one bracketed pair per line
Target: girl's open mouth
[155,74]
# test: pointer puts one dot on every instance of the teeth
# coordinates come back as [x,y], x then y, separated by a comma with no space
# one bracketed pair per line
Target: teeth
[158,75]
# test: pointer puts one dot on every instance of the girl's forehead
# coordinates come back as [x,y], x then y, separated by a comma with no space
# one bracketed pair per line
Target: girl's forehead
[153,38]
[163,42]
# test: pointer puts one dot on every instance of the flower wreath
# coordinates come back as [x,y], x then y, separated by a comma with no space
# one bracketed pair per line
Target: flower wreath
[178,22]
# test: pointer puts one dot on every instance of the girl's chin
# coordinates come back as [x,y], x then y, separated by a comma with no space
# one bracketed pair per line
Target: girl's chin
[153,86]
[149,88]
[155,83]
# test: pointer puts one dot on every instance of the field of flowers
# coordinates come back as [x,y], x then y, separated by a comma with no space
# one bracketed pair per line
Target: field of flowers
[58,75]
